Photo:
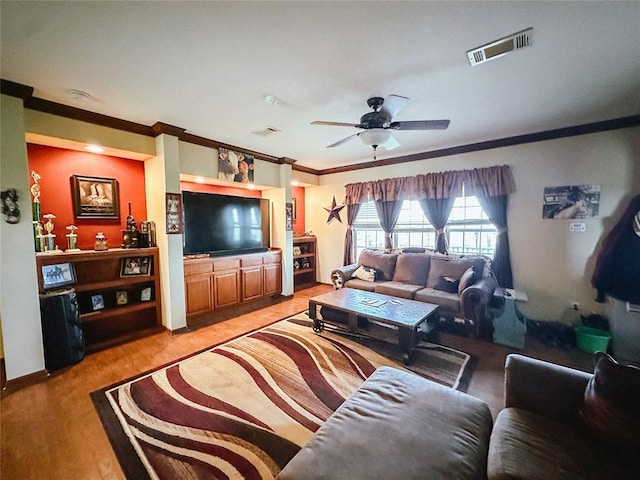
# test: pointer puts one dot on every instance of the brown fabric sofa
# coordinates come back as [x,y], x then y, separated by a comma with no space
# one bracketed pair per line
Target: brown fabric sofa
[461,285]
[398,425]
[562,423]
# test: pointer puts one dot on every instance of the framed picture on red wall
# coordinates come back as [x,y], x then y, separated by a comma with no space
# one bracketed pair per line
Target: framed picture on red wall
[95,197]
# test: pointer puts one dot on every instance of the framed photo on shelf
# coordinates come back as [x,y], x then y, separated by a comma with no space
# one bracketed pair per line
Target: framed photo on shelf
[297,250]
[97,301]
[95,197]
[58,275]
[145,294]
[122,297]
[135,266]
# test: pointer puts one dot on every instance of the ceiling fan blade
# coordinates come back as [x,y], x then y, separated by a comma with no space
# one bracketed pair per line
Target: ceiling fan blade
[340,142]
[334,124]
[420,125]
[393,104]
[391,143]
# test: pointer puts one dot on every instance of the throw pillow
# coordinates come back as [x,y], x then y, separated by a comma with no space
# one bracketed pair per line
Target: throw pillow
[447,284]
[611,407]
[365,273]
[468,278]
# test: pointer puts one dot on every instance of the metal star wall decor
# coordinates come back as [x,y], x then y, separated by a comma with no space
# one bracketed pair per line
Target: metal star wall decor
[334,211]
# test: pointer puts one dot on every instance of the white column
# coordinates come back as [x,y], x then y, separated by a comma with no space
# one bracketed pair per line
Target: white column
[19,301]
[162,175]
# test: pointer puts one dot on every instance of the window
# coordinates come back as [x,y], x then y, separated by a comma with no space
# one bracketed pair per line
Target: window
[468,230]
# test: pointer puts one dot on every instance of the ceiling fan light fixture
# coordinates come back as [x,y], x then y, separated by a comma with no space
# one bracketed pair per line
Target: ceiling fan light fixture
[375,136]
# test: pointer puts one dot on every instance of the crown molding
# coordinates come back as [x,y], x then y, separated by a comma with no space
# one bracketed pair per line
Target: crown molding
[25,92]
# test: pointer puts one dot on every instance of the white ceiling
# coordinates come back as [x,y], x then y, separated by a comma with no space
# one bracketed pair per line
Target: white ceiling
[207,67]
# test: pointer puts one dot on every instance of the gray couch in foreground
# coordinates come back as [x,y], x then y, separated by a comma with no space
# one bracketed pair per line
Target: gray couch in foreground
[398,425]
[461,285]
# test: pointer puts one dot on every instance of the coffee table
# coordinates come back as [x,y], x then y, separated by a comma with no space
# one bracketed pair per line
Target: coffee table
[405,321]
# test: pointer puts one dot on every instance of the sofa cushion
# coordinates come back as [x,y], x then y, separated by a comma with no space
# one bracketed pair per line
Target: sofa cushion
[448,302]
[397,289]
[398,425]
[361,284]
[525,445]
[468,278]
[412,268]
[384,262]
[611,407]
[442,266]
[367,274]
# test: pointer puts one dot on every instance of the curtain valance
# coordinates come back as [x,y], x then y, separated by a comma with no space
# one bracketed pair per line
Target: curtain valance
[490,181]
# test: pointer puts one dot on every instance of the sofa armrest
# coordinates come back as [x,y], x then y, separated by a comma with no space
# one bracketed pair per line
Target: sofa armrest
[339,276]
[544,388]
[474,301]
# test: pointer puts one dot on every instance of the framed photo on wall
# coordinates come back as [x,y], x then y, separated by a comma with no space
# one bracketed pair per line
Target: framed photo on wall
[95,197]
[289,214]
[174,213]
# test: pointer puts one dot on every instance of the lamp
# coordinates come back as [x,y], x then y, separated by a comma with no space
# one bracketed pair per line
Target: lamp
[374,137]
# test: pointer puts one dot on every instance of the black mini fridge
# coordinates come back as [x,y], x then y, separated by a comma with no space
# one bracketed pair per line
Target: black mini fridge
[61,329]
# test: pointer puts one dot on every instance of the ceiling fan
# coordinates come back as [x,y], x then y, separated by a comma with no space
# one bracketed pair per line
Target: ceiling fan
[376,125]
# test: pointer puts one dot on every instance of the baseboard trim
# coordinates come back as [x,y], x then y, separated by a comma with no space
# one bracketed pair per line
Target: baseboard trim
[24,381]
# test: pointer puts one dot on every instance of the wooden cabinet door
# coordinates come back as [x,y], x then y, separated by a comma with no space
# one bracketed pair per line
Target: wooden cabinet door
[251,282]
[226,288]
[198,293]
[272,278]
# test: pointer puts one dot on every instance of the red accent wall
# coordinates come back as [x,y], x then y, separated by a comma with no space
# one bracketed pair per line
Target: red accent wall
[56,166]
[298,223]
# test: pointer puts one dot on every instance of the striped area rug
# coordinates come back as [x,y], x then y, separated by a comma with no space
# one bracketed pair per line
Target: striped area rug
[242,409]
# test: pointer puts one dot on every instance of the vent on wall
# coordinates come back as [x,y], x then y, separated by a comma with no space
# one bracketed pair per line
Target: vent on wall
[501,47]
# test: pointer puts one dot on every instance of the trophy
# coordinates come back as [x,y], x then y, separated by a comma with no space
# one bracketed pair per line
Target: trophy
[35,211]
[72,239]
[130,233]
[50,245]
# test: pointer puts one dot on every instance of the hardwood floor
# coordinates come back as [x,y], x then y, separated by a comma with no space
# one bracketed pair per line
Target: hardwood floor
[50,430]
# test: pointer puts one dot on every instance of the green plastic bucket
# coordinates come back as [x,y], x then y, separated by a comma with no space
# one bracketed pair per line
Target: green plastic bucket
[592,340]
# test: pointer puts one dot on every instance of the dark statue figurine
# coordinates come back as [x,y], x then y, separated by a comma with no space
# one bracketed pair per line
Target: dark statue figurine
[10,206]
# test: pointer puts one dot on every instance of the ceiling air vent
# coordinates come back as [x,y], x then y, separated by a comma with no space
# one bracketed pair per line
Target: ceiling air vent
[501,47]
[266,131]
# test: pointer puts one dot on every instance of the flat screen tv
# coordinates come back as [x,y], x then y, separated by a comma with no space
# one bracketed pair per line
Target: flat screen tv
[224,224]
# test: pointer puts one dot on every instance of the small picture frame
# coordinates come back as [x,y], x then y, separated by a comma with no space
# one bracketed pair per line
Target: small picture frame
[122,297]
[97,301]
[145,294]
[135,267]
[297,250]
[58,275]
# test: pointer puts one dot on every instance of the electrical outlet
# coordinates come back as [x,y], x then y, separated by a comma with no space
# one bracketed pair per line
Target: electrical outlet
[575,305]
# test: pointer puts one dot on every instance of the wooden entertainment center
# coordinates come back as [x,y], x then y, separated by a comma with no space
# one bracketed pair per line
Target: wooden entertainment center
[214,283]
[118,291]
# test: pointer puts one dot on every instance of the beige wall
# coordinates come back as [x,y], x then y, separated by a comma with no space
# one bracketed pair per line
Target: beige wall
[19,302]
[552,265]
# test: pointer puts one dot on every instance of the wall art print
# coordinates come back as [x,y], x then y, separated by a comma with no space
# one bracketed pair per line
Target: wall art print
[573,201]
[95,197]
[235,166]
[174,213]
